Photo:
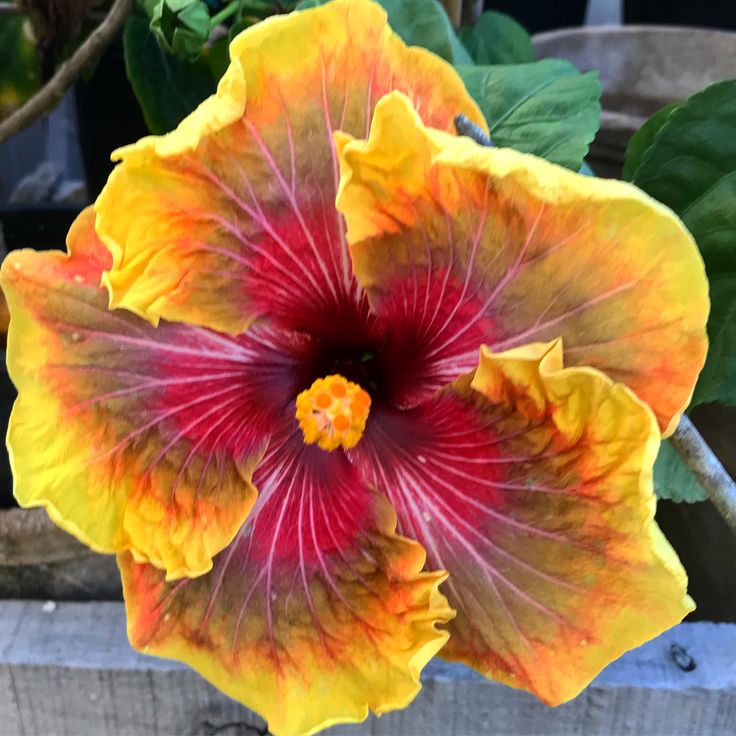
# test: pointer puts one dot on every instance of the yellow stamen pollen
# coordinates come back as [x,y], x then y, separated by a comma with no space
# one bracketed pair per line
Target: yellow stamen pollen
[332,412]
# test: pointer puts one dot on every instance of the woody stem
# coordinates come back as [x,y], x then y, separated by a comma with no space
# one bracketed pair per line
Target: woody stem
[707,469]
[52,92]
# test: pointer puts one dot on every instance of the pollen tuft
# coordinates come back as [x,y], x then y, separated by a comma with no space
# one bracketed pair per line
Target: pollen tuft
[332,412]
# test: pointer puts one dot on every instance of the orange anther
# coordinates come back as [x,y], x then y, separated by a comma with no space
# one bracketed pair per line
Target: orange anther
[339,389]
[362,398]
[340,422]
[333,412]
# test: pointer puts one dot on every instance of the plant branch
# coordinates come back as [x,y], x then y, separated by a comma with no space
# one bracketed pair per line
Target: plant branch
[454,10]
[51,93]
[472,10]
[465,126]
[707,469]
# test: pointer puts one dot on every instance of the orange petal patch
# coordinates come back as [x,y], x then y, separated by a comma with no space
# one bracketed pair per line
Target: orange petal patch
[316,612]
[131,436]
[532,486]
[231,216]
[490,245]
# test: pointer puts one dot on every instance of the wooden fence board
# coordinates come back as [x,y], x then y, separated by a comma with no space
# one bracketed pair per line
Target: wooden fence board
[67,669]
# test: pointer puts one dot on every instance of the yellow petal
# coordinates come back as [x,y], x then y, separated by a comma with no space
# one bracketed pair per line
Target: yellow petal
[531,484]
[526,251]
[133,437]
[231,217]
[315,614]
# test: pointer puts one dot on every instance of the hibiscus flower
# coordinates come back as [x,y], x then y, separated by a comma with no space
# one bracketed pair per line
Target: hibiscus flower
[315,433]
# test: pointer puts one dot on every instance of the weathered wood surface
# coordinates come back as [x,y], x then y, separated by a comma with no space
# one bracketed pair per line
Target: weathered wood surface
[66,668]
[39,560]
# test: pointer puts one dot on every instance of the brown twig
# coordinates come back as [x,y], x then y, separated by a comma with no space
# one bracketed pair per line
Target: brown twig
[707,469]
[454,9]
[51,93]
[472,10]
[463,12]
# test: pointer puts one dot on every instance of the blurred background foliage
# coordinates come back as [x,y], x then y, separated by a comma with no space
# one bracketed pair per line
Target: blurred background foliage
[20,64]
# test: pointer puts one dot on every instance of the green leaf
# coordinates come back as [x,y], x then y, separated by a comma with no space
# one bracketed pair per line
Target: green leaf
[717,380]
[643,139]
[419,23]
[690,165]
[711,219]
[238,26]
[547,108]
[497,39]
[672,480]
[425,23]
[167,88]
[21,71]
[693,150]
[460,54]
[217,57]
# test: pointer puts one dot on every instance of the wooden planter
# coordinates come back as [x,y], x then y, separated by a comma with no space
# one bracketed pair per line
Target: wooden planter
[67,669]
[39,560]
[642,68]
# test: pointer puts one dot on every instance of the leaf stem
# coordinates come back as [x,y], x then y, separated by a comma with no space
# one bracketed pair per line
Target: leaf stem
[707,469]
[227,12]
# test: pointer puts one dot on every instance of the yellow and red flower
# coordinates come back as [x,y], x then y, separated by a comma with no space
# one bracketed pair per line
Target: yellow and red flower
[279,412]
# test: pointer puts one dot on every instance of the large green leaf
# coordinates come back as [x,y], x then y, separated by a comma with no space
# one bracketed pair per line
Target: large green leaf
[497,39]
[693,150]
[425,23]
[686,158]
[717,382]
[711,218]
[672,480]
[643,139]
[20,70]
[419,23]
[167,88]
[547,108]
